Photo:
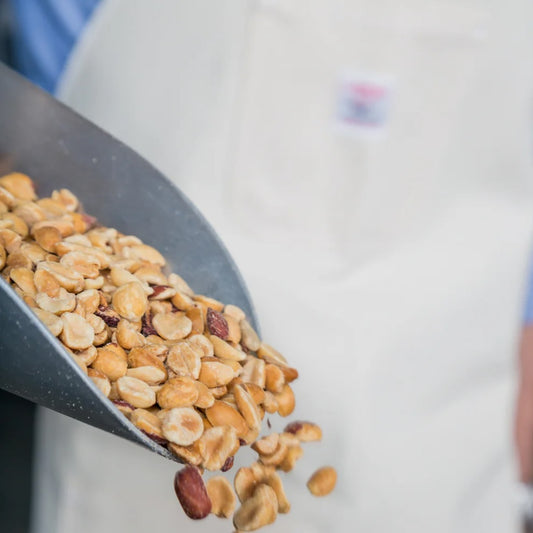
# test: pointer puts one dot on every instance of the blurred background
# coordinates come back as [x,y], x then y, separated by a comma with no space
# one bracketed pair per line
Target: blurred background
[369,165]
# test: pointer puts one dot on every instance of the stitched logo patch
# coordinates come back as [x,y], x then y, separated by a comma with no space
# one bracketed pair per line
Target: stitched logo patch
[363,105]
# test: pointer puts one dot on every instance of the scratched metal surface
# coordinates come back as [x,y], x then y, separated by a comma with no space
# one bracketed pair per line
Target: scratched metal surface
[57,148]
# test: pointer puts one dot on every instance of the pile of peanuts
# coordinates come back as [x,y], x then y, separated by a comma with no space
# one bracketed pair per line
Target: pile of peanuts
[187,370]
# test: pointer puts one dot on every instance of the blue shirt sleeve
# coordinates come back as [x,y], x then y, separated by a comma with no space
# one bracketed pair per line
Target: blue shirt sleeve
[528,311]
[44,34]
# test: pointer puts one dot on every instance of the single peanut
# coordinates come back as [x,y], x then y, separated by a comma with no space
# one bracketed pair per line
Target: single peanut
[221,414]
[111,363]
[100,380]
[147,422]
[222,496]
[51,321]
[191,493]
[215,373]
[286,401]
[182,425]
[323,481]
[186,454]
[172,326]
[178,392]
[216,445]
[77,333]
[304,431]
[130,301]
[184,359]
[136,392]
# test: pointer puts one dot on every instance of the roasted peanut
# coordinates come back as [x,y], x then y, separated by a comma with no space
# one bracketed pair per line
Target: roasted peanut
[225,351]
[215,373]
[245,482]
[172,326]
[47,237]
[89,301]
[136,392]
[286,401]
[203,344]
[68,279]
[149,374]
[17,224]
[216,445]
[271,355]
[191,493]
[146,253]
[67,198]
[88,355]
[323,481]
[184,359]
[147,355]
[100,380]
[222,496]
[161,292]
[147,422]
[182,426]
[111,363]
[23,277]
[267,445]
[86,265]
[33,252]
[178,392]
[77,333]
[127,336]
[30,212]
[10,240]
[249,337]
[182,301]
[218,392]
[274,378]
[196,316]
[254,372]
[150,273]
[274,481]
[180,284]
[247,407]
[294,453]
[18,259]
[258,511]
[130,301]
[207,302]
[19,185]
[275,458]
[205,397]
[216,324]
[63,302]
[186,454]
[304,431]
[235,312]
[234,329]
[270,403]
[256,392]
[51,321]
[221,414]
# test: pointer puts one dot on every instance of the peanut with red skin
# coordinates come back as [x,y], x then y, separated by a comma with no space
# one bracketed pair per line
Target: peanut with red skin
[192,493]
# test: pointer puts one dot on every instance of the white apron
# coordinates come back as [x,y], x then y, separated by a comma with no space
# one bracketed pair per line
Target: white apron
[369,166]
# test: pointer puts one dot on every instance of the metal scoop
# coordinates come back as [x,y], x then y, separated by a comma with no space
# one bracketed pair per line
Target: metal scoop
[59,149]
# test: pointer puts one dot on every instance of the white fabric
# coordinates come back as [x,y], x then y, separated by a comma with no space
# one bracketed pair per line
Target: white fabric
[390,272]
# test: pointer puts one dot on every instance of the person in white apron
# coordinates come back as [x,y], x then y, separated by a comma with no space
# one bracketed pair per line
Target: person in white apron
[368,164]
